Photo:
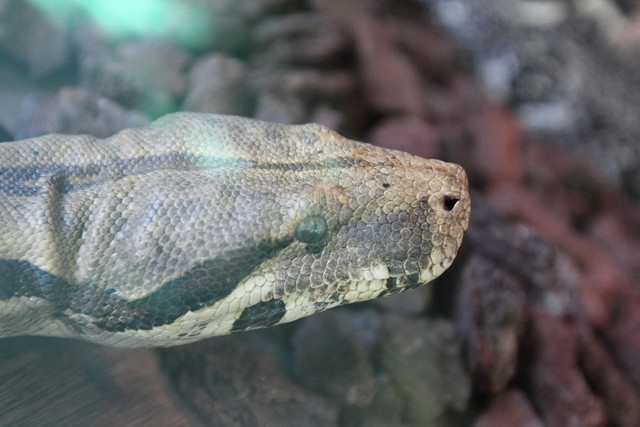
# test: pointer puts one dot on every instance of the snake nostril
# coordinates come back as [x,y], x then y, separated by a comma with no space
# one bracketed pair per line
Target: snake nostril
[449,203]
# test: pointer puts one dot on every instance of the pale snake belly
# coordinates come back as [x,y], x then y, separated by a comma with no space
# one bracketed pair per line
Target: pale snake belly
[201,225]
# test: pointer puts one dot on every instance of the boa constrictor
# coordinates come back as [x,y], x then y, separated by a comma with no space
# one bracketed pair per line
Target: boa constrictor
[200,225]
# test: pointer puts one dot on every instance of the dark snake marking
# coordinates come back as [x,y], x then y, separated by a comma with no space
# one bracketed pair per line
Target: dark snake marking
[23,279]
[409,282]
[201,286]
[260,315]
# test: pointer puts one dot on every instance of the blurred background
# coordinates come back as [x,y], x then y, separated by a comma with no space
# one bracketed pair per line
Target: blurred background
[537,323]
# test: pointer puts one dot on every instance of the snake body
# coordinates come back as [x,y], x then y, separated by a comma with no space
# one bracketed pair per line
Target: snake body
[200,225]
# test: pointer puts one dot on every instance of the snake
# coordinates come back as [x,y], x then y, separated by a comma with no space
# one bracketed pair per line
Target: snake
[200,225]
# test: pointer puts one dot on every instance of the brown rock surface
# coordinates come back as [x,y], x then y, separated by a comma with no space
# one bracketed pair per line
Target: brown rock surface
[73,110]
[227,382]
[619,395]
[492,316]
[557,386]
[392,83]
[218,84]
[337,364]
[423,359]
[509,409]
[407,133]
[46,381]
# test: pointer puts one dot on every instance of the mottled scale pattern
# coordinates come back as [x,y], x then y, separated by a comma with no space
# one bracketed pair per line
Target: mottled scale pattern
[200,225]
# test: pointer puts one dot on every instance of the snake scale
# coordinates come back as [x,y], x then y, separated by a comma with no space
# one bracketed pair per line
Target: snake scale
[201,225]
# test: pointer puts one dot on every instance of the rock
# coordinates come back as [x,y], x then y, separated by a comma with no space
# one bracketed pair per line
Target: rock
[468,98]
[256,9]
[328,116]
[148,75]
[218,85]
[336,364]
[51,381]
[15,85]
[428,49]
[280,108]
[496,150]
[309,84]
[598,276]
[391,81]
[558,388]
[621,334]
[162,65]
[229,26]
[423,359]
[348,10]
[521,251]
[32,38]
[74,111]
[101,72]
[227,382]
[491,318]
[618,393]
[298,39]
[386,409]
[511,408]
[443,108]
[5,136]
[572,185]
[286,96]
[410,303]
[407,133]
[564,81]
[617,231]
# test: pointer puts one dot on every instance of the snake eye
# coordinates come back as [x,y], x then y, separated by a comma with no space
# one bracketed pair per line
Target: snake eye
[311,229]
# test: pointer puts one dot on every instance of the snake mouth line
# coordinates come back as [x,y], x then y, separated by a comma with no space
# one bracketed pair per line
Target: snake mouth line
[395,285]
[371,289]
[379,283]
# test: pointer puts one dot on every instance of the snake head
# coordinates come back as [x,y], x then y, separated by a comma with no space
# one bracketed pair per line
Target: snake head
[273,223]
[366,222]
[201,225]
